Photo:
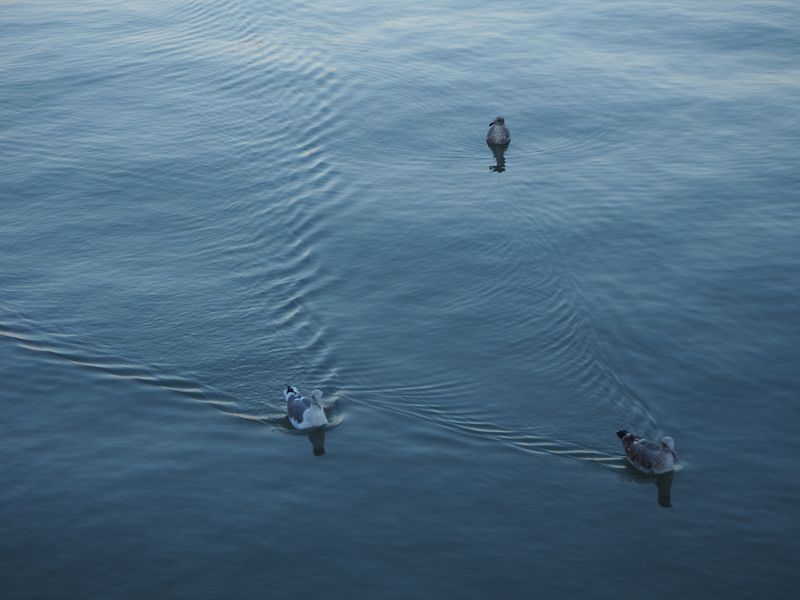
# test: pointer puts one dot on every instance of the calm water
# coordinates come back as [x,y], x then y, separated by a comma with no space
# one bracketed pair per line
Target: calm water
[203,201]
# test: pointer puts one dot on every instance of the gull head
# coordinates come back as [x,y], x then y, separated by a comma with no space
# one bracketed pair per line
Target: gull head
[668,444]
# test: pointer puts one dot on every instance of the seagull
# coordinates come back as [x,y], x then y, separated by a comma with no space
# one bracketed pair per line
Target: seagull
[647,456]
[498,134]
[304,413]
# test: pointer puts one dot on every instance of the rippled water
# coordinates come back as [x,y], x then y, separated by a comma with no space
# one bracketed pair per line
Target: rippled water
[203,201]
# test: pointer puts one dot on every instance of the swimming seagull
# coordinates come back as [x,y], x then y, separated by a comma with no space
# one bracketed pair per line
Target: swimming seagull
[304,413]
[647,456]
[498,134]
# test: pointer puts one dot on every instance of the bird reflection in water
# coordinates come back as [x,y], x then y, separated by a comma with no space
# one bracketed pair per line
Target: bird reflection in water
[662,482]
[317,439]
[499,151]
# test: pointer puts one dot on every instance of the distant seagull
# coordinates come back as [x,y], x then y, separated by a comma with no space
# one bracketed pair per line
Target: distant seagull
[498,134]
[304,413]
[647,456]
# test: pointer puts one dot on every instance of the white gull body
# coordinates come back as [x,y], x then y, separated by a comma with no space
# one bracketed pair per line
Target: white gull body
[498,134]
[649,457]
[304,413]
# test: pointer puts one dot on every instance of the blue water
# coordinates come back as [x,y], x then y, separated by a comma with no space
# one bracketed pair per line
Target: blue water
[203,201]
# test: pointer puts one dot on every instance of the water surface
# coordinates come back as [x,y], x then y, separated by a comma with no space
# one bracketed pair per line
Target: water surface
[203,201]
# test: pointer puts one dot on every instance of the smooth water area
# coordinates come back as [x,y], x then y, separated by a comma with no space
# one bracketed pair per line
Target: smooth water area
[201,201]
